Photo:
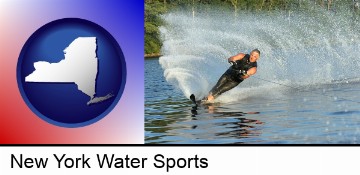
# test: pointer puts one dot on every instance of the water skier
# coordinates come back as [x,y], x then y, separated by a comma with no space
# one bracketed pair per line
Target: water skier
[243,66]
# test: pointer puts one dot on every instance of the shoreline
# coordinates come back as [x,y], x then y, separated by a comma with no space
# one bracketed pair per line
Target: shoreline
[152,55]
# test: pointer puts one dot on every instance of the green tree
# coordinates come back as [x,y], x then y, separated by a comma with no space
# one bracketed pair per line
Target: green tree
[153,9]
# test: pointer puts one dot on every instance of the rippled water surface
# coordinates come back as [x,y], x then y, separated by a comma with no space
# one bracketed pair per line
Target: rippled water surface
[316,114]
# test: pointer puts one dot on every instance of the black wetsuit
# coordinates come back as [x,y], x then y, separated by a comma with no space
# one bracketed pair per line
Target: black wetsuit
[232,77]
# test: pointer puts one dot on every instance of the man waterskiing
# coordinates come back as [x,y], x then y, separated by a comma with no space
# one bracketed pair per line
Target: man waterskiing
[242,67]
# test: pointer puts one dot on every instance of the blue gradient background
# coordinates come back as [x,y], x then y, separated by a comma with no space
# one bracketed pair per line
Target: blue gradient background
[123,20]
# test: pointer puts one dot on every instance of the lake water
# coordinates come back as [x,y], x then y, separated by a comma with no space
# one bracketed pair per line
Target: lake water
[329,113]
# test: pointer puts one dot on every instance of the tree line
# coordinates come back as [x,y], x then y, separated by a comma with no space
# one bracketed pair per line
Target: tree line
[154,8]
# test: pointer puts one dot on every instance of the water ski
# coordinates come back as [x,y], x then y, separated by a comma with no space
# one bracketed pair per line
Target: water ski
[198,102]
[192,98]
[194,108]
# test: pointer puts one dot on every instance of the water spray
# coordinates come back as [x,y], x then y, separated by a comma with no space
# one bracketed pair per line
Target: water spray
[309,48]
